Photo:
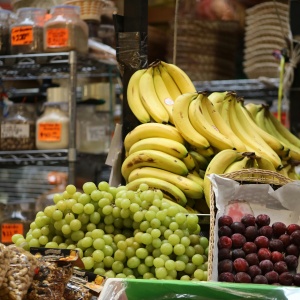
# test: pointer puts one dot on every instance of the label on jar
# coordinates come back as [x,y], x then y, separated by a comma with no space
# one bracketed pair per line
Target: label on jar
[49,132]
[57,37]
[15,131]
[22,35]
[9,229]
[95,133]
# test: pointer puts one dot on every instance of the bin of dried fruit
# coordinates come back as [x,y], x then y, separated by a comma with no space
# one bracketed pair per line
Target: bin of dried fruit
[255,231]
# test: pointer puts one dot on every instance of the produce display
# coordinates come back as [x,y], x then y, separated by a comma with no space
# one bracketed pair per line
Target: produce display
[252,250]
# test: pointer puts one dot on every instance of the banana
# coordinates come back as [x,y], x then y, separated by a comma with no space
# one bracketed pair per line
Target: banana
[217,99]
[149,130]
[169,146]
[264,163]
[246,163]
[272,141]
[253,108]
[163,93]
[152,158]
[219,123]
[190,163]
[207,153]
[218,165]
[169,82]
[181,208]
[181,79]
[285,170]
[203,124]
[200,159]
[169,190]
[183,124]
[195,178]
[134,99]
[292,174]
[189,187]
[150,100]
[253,141]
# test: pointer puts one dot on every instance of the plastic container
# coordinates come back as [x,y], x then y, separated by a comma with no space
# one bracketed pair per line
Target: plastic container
[4,31]
[92,130]
[18,129]
[27,33]
[52,128]
[65,31]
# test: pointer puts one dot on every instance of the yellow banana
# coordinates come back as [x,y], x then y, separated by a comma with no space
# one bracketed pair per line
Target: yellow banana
[207,153]
[253,108]
[218,165]
[246,163]
[285,170]
[180,207]
[189,187]
[292,174]
[169,82]
[182,80]
[149,130]
[152,158]
[169,190]
[222,126]
[163,93]
[183,124]
[264,163]
[190,162]
[217,99]
[201,160]
[169,146]
[196,178]
[205,127]
[134,99]
[253,141]
[150,100]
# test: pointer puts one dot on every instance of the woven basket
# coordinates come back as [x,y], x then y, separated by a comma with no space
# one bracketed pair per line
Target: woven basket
[246,176]
[89,9]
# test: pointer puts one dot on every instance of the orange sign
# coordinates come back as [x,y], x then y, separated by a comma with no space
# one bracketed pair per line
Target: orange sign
[49,132]
[57,37]
[22,35]
[9,229]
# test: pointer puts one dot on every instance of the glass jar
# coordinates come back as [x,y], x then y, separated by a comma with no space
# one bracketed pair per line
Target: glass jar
[93,134]
[52,127]
[17,129]
[65,31]
[26,34]
[4,31]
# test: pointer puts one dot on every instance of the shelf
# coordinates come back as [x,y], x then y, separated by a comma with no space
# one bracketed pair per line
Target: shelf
[52,65]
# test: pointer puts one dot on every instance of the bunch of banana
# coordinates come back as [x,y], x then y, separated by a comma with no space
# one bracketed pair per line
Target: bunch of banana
[156,154]
[152,92]
[272,126]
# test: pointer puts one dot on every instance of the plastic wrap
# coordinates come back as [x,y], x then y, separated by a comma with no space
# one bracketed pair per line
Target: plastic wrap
[135,289]
[20,273]
[4,262]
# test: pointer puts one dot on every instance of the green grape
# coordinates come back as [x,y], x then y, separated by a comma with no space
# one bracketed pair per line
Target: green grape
[108,261]
[199,249]
[133,262]
[144,226]
[84,199]
[107,239]
[103,186]
[87,242]
[173,239]
[89,252]
[89,187]
[59,224]
[107,210]
[125,203]
[88,262]
[57,239]
[39,222]
[197,260]
[77,235]
[167,233]
[149,261]
[103,202]
[57,197]
[149,215]
[71,189]
[134,207]
[146,238]
[138,216]
[109,228]
[97,233]
[70,203]
[170,265]
[190,268]
[117,266]
[179,265]
[206,251]
[98,243]
[141,253]
[16,236]
[84,218]
[36,233]
[148,275]
[167,221]
[192,220]
[127,271]
[77,208]
[156,253]
[179,249]
[95,217]
[49,210]
[66,229]
[122,245]
[96,195]
[116,212]
[88,208]
[189,251]
[110,274]
[108,250]
[157,202]
[185,278]
[128,223]
[65,196]
[90,227]
[172,211]
[155,233]
[172,273]
[43,240]
[61,205]
[155,223]
[28,237]
[76,195]
[158,262]
[161,273]
[142,269]
[119,255]
[161,215]
[75,225]
[125,213]
[98,256]
[130,252]
[204,242]
[183,258]
[49,245]
[131,277]
[113,191]
[156,243]
[32,243]
[173,226]
[99,271]
[185,241]
[108,220]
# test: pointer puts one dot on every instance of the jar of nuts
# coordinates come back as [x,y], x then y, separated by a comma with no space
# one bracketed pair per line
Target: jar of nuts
[17,129]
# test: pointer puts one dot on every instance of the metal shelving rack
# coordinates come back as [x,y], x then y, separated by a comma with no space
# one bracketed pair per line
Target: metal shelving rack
[68,65]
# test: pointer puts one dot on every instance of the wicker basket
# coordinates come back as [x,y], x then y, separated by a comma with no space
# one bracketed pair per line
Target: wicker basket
[246,176]
[89,9]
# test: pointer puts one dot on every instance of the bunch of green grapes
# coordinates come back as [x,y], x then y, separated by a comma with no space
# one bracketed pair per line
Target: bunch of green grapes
[122,233]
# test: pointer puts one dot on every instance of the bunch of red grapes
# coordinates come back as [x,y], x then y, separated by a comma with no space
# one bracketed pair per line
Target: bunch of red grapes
[255,251]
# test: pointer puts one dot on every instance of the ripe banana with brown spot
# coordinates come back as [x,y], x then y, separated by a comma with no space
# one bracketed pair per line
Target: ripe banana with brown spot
[190,163]
[217,99]
[189,187]
[150,130]
[166,145]
[169,190]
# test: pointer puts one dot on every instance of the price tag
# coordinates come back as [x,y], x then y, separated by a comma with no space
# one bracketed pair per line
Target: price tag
[57,37]
[22,35]
[15,131]
[9,229]
[49,132]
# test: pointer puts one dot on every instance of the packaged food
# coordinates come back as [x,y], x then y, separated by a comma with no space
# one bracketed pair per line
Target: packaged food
[4,262]
[19,275]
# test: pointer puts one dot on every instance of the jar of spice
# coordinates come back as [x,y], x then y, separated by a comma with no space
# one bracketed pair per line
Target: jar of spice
[17,129]
[65,31]
[52,128]
[4,31]
[26,34]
